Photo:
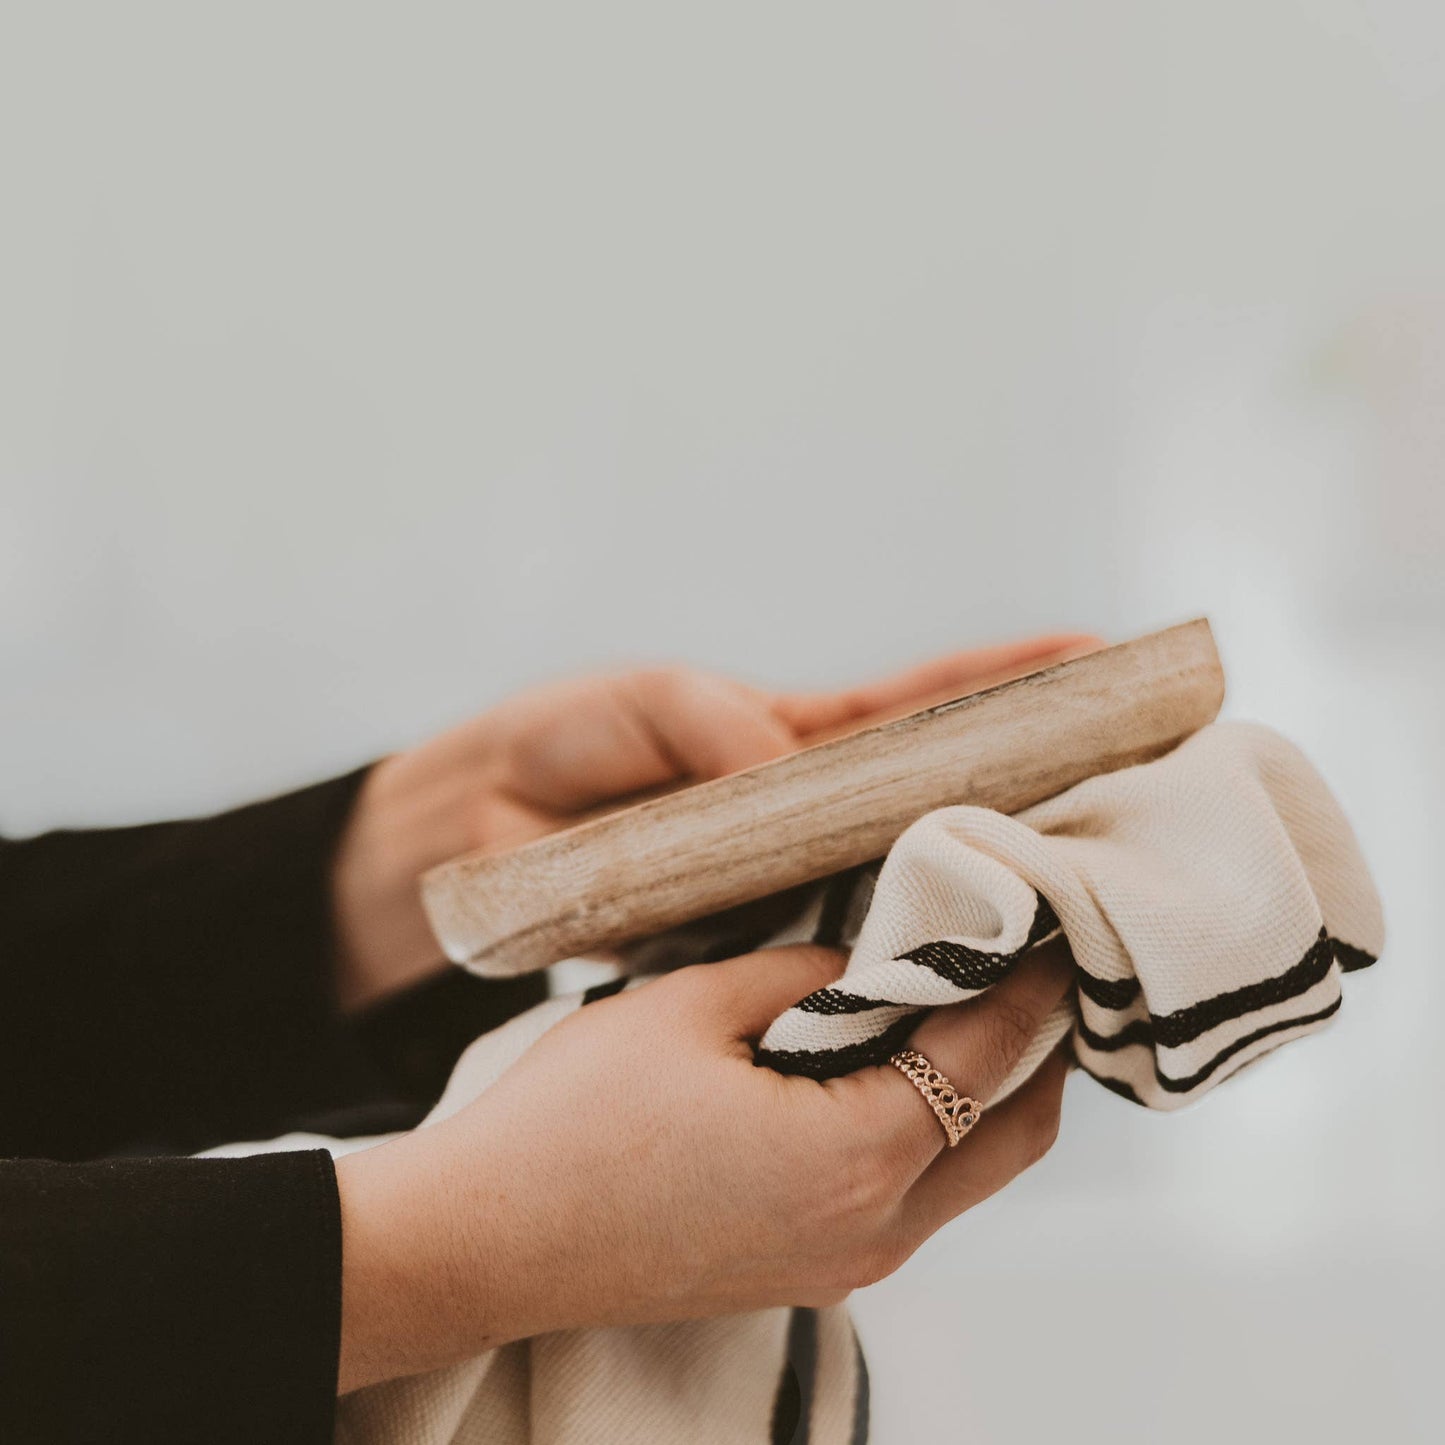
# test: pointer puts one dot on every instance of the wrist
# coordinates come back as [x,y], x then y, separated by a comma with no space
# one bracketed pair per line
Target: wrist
[395,833]
[373,1312]
[405,1304]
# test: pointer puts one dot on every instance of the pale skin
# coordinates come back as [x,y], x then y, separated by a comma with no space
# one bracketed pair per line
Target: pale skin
[634,1165]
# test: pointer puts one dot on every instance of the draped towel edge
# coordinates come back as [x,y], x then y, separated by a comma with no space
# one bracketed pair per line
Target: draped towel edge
[973,970]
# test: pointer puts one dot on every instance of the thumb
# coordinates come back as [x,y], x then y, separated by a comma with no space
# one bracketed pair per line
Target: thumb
[746,994]
[706,726]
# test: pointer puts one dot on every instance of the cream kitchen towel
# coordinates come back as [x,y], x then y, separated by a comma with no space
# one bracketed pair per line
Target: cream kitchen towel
[1211,900]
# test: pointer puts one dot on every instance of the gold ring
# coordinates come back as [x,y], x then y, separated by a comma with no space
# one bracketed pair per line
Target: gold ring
[956,1112]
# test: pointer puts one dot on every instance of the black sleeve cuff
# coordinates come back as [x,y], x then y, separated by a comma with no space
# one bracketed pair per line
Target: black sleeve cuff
[170,1300]
[168,987]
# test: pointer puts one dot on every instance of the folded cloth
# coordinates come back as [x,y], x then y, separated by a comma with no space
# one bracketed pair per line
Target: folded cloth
[1211,900]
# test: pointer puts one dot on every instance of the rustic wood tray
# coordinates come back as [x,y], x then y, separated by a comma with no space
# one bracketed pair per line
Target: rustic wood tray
[675,858]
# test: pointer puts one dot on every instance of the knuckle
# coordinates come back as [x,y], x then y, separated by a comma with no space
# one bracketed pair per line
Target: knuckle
[684,995]
[676,986]
[710,982]
[1008,1030]
[817,966]
[691,977]
[864,1186]
[889,1144]
[669,679]
[899,1153]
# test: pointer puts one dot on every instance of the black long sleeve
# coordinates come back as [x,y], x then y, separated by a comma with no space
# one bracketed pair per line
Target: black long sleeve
[163,988]
[168,986]
[169,1300]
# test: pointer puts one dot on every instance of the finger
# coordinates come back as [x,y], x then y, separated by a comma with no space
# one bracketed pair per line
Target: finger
[958,673]
[978,1043]
[974,1044]
[577,745]
[744,995]
[1005,1142]
[705,726]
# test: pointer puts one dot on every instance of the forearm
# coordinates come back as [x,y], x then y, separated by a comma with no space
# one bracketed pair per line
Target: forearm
[171,984]
[169,1299]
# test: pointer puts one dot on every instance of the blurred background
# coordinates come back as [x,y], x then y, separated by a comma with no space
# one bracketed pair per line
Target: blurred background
[361,364]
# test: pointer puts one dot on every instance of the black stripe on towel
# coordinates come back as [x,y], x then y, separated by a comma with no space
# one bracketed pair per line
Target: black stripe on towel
[1116,993]
[1136,1031]
[837,897]
[603,990]
[1184,1025]
[793,1403]
[977,968]
[964,967]
[862,1392]
[835,1001]
[1116,1086]
[1352,958]
[1193,1081]
[829,1063]
[1120,993]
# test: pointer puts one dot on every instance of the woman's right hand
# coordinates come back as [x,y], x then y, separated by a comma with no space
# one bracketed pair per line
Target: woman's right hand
[636,1166]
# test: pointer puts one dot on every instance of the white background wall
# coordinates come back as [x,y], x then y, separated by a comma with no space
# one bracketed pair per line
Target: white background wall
[360,364]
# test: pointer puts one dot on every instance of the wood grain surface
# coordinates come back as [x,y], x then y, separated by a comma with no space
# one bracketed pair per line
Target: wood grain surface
[672,859]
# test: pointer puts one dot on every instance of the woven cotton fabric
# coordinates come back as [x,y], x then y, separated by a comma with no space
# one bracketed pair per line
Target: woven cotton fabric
[1211,901]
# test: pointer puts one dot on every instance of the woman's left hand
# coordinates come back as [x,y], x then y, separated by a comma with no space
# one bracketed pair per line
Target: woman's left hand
[542,759]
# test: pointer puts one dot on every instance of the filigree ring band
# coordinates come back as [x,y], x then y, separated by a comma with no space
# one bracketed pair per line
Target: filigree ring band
[956,1112]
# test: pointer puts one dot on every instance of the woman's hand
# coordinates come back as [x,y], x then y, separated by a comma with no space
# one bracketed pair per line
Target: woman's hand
[540,760]
[635,1165]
